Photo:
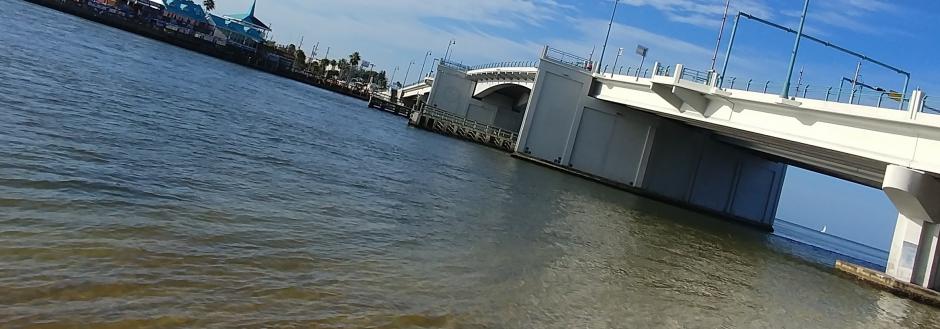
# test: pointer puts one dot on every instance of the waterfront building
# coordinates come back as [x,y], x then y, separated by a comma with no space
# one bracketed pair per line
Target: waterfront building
[242,30]
[187,17]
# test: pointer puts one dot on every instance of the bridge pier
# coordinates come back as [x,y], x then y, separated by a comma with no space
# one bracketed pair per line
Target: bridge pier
[915,247]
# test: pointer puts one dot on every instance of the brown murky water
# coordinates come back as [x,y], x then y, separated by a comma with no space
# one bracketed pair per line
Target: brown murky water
[145,186]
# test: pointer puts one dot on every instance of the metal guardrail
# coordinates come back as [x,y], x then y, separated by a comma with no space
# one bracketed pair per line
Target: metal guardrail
[514,64]
[454,65]
[568,59]
[840,94]
[928,109]
[694,75]
[443,116]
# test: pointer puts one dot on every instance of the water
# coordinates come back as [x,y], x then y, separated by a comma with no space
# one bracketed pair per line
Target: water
[853,252]
[146,186]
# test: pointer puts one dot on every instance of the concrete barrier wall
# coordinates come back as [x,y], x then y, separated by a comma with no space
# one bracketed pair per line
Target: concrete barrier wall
[554,104]
[452,90]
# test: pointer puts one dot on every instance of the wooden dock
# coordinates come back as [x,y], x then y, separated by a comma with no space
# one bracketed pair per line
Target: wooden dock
[385,103]
[443,122]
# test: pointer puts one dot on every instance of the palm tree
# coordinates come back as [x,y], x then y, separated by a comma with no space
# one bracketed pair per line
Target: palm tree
[209,4]
[354,59]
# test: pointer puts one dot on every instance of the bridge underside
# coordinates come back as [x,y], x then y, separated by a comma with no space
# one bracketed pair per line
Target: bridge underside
[502,106]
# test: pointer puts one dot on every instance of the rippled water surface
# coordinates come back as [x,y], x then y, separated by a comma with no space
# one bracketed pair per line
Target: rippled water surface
[146,186]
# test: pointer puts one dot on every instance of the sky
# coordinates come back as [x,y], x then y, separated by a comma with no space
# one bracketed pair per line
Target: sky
[393,33]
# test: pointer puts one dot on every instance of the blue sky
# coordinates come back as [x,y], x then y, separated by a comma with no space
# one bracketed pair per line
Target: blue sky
[394,32]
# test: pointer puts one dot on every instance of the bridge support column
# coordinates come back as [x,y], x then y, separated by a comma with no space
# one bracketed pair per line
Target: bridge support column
[915,248]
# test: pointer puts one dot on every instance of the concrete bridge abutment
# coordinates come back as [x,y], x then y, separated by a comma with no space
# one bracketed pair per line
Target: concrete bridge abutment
[915,247]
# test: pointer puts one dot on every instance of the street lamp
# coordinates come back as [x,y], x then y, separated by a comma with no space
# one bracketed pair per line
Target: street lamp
[600,61]
[451,43]
[433,64]
[408,72]
[619,53]
[394,73]
[641,50]
[423,64]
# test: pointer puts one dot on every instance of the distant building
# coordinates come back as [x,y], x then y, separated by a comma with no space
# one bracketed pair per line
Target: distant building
[242,30]
[187,17]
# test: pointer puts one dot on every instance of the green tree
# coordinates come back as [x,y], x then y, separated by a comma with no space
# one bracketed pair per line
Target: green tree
[343,67]
[381,80]
[300,60]
[354,59]
[209,4]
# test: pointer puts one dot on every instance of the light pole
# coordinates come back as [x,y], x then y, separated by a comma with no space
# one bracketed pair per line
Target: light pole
[394,73]
[619,53]
[433,64]
[408,72]
[451,43]
[640,50]
[326,73]
[600,61]
[721,32]
[423,64]
[785,93]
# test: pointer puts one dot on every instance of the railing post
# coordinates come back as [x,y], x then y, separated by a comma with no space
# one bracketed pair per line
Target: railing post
[828,92]
[805,90]
[732,83]
[766,85]
[679,72]
[916,105]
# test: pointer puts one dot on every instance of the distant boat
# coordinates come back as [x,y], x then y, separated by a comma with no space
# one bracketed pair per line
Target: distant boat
[824,229]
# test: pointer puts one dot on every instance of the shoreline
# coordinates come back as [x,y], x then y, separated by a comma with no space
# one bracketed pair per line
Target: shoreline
[195,45]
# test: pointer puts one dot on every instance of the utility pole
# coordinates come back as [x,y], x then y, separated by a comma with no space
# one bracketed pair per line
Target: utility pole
[721,32]
[785,93]
[600,61]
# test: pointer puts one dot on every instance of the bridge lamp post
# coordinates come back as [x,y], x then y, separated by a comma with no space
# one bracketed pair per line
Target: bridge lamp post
[619,53]
[785,93]
[640,50]
[423,64]
[600,61]
[408,71]
[392,82]
[394,73]
[449,44]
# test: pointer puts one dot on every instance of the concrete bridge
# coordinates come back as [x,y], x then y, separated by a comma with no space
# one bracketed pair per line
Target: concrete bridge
[494,94]
[411,94]
[678,137]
